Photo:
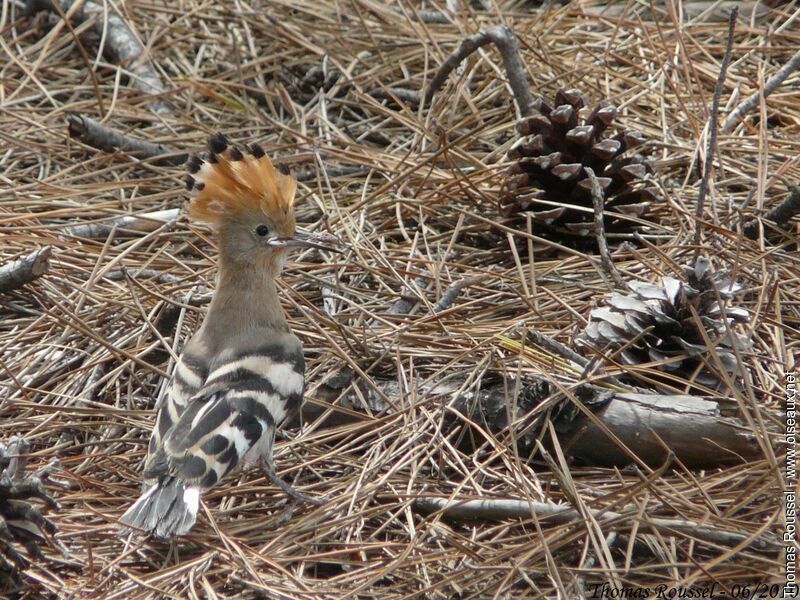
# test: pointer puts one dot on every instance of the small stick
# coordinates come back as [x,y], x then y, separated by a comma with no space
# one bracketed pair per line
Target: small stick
[120,41]
[404,305]
[494,509]
[555,346]
[425,16]
[332,171]
[154,275]
[504,38]
[712,132]
[97,135]
[145,222]
[600,232]
[25,269]
[733,119]
[406,95]
[781,214]
[449,296]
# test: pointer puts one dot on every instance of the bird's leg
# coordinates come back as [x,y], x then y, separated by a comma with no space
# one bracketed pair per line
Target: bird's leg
[295,495]
[269,470]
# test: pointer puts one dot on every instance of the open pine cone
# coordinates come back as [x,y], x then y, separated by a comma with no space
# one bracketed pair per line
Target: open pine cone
[549,177]
[22,526]
[656,324]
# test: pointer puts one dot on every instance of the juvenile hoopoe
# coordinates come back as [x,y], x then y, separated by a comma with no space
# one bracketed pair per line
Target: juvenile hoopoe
[241,374]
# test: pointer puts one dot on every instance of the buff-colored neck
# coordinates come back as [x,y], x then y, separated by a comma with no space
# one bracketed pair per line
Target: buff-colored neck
[246,299]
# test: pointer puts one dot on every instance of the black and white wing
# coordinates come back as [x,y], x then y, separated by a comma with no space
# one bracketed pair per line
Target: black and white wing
[188,378]
[231,421]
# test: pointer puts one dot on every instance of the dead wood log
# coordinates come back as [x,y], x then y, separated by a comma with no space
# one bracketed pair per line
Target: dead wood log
[25,269]
[693,428]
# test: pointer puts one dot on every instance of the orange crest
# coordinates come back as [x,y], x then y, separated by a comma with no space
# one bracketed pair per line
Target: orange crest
[229,181]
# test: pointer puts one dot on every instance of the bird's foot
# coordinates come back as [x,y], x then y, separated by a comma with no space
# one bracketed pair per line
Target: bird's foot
[294,494]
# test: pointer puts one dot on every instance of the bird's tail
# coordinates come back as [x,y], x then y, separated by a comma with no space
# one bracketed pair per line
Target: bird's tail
[167,509]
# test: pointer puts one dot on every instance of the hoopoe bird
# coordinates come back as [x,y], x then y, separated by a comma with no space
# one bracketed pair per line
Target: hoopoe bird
[242,373]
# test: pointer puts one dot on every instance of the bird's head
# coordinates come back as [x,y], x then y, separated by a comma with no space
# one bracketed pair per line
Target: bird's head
[248,200]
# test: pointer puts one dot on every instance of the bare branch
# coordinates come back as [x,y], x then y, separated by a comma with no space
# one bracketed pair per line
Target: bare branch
[712,133]
[97,135]
[145,223]
[556,347]
[449,296]
[752,100]
[781,214]
[405,303]
[640,423]
[425,16]
[25,269]
[395,94]
[504,38]
[495,509]
[600,232]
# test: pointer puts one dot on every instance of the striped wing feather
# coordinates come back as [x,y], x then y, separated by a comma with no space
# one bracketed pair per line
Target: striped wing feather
[231,420]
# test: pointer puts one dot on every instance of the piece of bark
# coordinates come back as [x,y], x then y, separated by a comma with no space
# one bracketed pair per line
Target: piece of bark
[144,223]
[25,269]
[120,42]
[690,426]
[97,135]
[496,509]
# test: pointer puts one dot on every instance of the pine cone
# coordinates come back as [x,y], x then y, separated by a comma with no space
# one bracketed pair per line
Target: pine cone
[549,178]
[656,324]
[22,526]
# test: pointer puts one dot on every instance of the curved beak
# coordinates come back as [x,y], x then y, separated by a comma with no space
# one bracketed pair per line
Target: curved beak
[306,239]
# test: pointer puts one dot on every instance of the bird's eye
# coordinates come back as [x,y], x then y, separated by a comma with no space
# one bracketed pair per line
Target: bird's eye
[262,230]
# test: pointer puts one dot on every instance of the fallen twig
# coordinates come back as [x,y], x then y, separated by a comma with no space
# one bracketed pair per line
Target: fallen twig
[331,171]
[120,42]
[709,10]
[25,269]
[405,303]
[556,347]
[145,223]
[425,16]
[738,113]
[600,232]
[406,95]
[449,296]
[712,133]
[504,38]
[154,275]
[780,215]
[495,509]
[97,135]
